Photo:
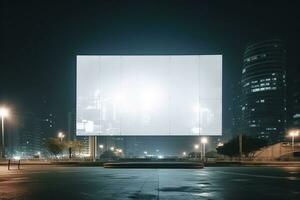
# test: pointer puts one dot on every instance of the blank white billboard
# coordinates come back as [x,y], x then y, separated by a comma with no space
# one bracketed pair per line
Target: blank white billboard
[149,95]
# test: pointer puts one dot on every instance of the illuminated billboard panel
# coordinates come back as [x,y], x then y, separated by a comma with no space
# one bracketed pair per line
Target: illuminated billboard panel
[149,95]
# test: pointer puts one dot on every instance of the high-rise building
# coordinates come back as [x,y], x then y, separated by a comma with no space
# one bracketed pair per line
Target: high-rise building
[48,125]
[263,84]
[85,150]
[295,107]
[71,132]
[25,135]
[236,109]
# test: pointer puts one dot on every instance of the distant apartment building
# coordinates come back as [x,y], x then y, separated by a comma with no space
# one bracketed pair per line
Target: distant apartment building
[263,87]
[48,124]
[24,135]
[71,132]
[236,109]
[295,101]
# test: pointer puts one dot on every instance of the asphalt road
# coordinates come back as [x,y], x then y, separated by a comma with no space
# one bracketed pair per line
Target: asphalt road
[90,183]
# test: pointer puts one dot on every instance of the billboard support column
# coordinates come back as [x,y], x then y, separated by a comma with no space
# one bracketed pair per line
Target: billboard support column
[93,147]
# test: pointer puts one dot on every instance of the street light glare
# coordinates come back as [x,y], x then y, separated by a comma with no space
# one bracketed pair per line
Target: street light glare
[4,112]
[120,150]
[294,133]
[196,146]
[61,135]
[204,140]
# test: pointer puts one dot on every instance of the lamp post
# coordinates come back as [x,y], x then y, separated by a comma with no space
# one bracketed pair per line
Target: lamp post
[293,134]
[101,147]
[3,113]
[61,136]
[196,146]
[203,142]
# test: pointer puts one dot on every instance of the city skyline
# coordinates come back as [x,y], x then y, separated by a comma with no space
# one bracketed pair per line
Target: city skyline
[54,66]
[149,99]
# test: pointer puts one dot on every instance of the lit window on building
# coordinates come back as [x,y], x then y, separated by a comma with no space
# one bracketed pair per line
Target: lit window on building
[246,84]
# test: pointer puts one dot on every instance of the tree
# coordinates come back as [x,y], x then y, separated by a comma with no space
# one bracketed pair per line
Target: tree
[54,146]
[74,146]
[250,145]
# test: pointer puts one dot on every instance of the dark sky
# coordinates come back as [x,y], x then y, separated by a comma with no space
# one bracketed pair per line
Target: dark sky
[40,40]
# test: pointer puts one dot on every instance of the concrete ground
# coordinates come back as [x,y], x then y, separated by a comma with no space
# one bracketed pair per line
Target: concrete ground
[90,183]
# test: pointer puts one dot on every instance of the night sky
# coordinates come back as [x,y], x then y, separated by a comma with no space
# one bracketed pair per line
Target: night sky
[40,41]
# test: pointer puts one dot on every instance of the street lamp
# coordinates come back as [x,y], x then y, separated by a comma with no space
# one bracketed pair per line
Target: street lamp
[119,150]
[61,136]
[112,148]
[203,141]
[3,113]
[184,153]
[196,146]
[101,146]
[293,134]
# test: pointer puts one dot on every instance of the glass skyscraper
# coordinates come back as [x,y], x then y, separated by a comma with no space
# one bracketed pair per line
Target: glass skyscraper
[263,99]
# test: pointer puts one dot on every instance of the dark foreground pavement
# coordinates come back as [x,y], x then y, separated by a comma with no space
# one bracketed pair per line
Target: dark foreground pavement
[90,183]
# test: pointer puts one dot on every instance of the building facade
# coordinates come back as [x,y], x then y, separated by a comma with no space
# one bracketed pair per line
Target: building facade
[263,85]
[295,107]
[236,109]
[25,135]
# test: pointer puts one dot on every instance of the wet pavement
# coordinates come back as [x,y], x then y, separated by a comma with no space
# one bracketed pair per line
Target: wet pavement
[90,183]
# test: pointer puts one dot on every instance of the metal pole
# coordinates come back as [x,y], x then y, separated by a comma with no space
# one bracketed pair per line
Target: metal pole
[2,131]
[293,142]
[203,151]
[241,145]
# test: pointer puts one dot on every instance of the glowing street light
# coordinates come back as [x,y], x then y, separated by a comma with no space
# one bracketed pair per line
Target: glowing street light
[4,112]
[293,134]
[220,144]
[119,150]
[112,148]
[196,146]
[184,153]
[203,141]
[101,146]
[61,136]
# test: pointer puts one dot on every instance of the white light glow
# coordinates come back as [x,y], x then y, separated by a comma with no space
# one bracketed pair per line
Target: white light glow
[16,157]
[4,112]
[204,140]
[149,95]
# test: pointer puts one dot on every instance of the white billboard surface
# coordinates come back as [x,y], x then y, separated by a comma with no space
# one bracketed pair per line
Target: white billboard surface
[149,95]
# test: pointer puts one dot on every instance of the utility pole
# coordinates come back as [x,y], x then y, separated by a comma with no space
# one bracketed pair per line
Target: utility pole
[241,146]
